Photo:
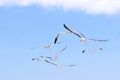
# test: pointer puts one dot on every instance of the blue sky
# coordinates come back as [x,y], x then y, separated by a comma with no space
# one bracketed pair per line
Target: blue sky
[23,27]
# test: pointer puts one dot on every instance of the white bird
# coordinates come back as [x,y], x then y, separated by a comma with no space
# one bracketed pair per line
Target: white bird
[92,50]
[49,46]
[42,58]
[58,66]
[81,36]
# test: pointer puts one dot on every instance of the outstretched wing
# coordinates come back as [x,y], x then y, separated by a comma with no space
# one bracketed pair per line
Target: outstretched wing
[56,38]
[44,46]
[71,31]
[51,63]
[81,34]
[56,56]
[67,28]
[98,40]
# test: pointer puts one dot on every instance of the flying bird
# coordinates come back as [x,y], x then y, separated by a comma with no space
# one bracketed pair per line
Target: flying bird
[92,50]
[49,46]
[58,66]
[43,58]
[81,36]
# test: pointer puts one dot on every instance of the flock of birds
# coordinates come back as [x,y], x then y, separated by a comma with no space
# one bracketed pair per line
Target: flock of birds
[51,60]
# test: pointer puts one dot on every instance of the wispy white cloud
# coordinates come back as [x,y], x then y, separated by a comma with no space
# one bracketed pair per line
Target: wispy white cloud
[88,6]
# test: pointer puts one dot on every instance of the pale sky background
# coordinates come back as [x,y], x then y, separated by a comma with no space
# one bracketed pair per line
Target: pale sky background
[25,24]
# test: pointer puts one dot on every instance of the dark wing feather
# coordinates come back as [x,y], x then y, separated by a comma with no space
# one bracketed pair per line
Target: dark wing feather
[83,51]
[56,38]
[67,28]
[82,35]
[47,61]
[71,31]
[51,63]
[77,35]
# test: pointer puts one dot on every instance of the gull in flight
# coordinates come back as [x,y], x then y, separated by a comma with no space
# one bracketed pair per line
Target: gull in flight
[41,58]
[81,36]
[58,66]
[51,59]
[92,50]
[54,64]
[49,46]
